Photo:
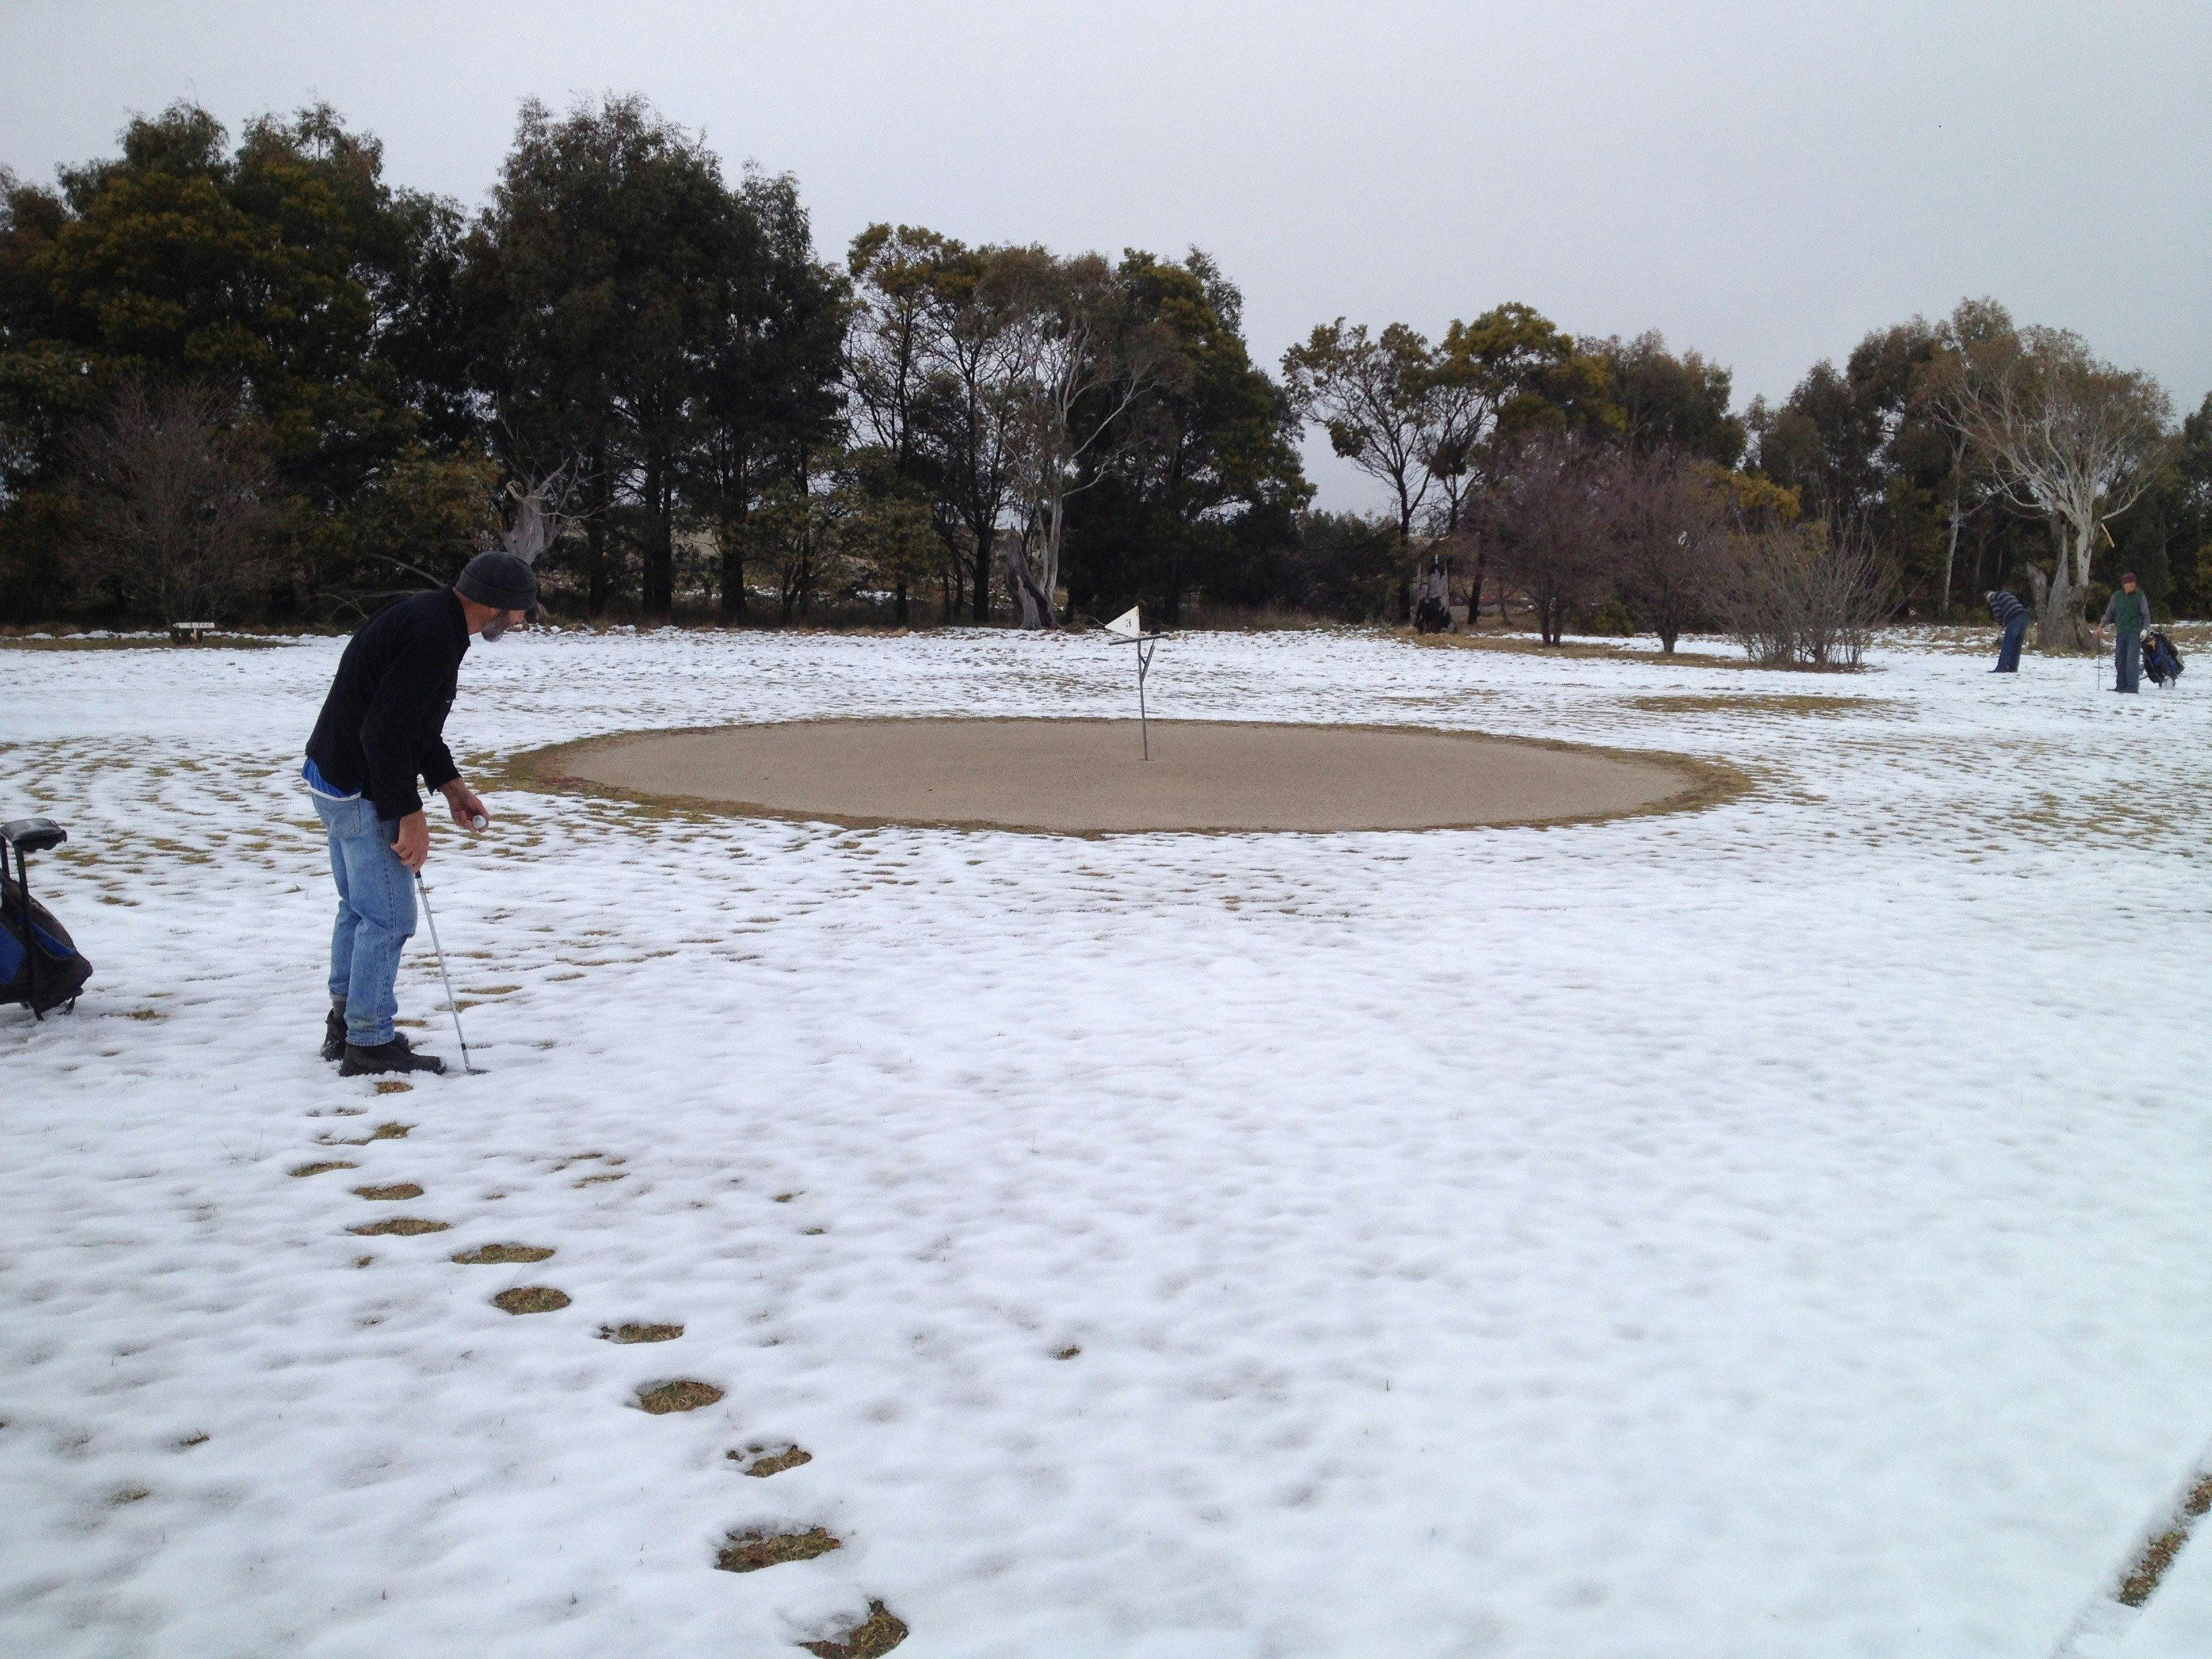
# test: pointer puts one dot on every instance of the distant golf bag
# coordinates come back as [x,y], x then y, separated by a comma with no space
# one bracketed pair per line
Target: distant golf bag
[2159,660]
[40,966]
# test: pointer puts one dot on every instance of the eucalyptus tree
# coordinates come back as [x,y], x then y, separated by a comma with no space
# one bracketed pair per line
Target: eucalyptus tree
[1379,400]
[1093,356]
[1671,400]
[886,370]
[979,344]
[1509,372]
[1199,486]
[2067,437]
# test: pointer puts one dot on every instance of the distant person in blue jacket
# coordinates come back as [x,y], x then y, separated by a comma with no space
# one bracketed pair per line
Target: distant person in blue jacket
[2012,617]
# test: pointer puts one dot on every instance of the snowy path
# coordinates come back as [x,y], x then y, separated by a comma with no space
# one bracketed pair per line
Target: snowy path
[1717,1236]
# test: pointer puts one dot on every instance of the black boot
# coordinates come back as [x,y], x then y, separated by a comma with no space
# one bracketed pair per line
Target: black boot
[392,1056]
[334,1033]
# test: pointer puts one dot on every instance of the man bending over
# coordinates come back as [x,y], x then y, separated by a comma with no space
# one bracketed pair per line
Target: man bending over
[2011,616]
[382,726]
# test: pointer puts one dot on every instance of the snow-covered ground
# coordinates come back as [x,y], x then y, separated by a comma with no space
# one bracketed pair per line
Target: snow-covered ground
[1781,1230]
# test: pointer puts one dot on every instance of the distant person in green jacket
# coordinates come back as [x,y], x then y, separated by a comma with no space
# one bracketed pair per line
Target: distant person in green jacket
[2129,612]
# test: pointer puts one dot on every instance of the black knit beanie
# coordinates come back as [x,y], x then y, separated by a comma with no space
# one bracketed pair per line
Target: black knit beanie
[500,580]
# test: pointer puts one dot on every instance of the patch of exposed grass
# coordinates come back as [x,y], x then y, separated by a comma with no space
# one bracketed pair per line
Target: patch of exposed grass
[2157,1555]
[875,1636]
[595,1180]
[406,1226]
[765,1462]
[530,1299]
[389,1131]
[641,1333]
[1753,703]
[197,1438]
[132,1494]
[681,1395]
[392,1085]
[748,1552]
[325,1167]
[1529,645]
[397,1190]
[502,1255]
[1067,1352]
[145,642]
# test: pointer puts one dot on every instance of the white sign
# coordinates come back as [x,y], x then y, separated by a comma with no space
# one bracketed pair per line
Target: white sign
[1126,624]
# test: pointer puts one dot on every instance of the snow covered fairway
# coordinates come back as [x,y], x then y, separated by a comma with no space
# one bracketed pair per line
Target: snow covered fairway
[1727,1235]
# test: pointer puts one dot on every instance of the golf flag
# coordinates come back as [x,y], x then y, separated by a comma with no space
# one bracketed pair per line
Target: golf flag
[1126,624]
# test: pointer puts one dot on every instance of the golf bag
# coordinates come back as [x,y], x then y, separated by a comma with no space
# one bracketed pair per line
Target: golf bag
[1432,615]
[2159,660]
[40,966]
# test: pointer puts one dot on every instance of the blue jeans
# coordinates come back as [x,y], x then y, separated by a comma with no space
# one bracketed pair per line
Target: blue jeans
[2008,652]
[376,916]
[2127,663]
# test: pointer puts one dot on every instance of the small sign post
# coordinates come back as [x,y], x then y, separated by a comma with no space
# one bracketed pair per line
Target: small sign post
[1129,629]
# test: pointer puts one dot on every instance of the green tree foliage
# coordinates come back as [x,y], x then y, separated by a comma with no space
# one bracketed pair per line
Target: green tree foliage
[1435,423]
[1196,486]
[284,276]
[1670,400]
[769,406]
[1387,411]
[595,273]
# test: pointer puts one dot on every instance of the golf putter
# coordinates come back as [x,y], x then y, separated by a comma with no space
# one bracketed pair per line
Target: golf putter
[452,1006]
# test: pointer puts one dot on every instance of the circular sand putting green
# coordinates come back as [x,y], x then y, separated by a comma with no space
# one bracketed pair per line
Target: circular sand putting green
[1084,777]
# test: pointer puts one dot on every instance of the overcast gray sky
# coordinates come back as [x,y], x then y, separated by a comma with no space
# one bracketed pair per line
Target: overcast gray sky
[1763,180]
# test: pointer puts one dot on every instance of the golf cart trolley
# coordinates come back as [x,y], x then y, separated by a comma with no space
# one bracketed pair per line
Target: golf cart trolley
[40,966]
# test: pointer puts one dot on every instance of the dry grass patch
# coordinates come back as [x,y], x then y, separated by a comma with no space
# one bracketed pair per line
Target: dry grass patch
[681,1395]
[594,1180]
[397,1190]
[530,1299]
[875,1636]
[1753,703]
[641,1333]
[406,1226]
[748,1552]
[389,1131]
[324,1167]
[502,1255]
[1067,1352]
[765,1462]
[392,1085]
[2157,1555]
[1527,645]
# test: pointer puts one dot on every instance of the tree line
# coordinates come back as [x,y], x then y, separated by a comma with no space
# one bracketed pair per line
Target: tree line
[261,380]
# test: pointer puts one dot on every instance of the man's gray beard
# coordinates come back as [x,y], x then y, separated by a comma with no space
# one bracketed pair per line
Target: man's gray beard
[493,629]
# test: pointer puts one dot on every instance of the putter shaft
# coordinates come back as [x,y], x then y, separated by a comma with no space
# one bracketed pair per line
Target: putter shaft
[452,1006]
